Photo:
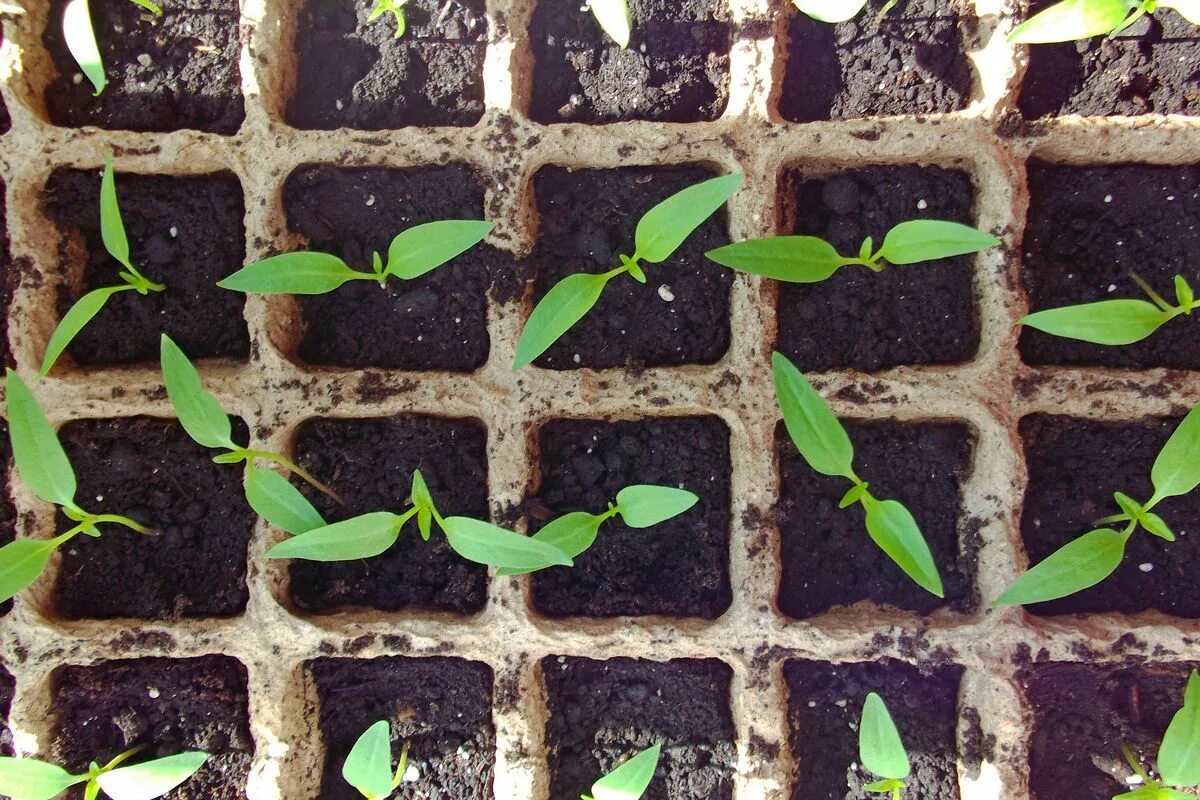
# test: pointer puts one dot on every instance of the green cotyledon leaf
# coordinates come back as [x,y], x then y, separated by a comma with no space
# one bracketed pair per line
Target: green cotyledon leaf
[1176,470]
[31,779]
[199,412]
[792,259]
[641,506]
[831,11]
[662,229]
[893,528]
[80,37]
[485,543]
[1071,20]
[630,780]
[303,273]
[422,248]
[563,306]
[1109,322]
[75,320]
[151,779]
[614,18]
[21,562]
[364,536]
[930,239]
[572,533]
[814,429]
[276,500]
[879,745]
[1077,565]
[1179,753]
[41,461]
[368,767]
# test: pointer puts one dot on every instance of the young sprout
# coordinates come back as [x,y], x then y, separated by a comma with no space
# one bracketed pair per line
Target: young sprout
[1116,322]
[1083,19]
[807,259]
[368,767]
[628,781]
[659,233]
[1091,558]
[81,39]
[837,10]
[615,19]
[1178,754]
[396,7]
[112,232]
[880,749]
[43,466]
[823,443]
[30,779]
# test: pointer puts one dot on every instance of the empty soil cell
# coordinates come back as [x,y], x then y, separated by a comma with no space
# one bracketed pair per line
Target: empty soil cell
[351,73]
[370,462]
[824,707]
[177,71]
[911,60]
[167,705]
[149,470]
[1074,467]
[679,567]
[602,712]
[829,560]
[442,707]
[1089,229]
[865,320]
[679,316]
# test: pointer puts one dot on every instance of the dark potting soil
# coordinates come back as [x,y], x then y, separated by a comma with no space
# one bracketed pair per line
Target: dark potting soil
[8,687]
[678,567]
[8,511]
[441,706]
[910,61]
[149,470]
[184,232]
[860,319]
[603,712]
[351,73]
[825,704]
[676,68]
[588,218]
[9,277]
[178,71]
[1088,229]
[370,462]
[437,321]
[828,558]
[170,705]
[1074,467]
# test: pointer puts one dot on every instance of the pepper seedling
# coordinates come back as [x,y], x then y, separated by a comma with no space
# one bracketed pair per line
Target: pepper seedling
[659,233]
[630,780]
[112,232]
[368,767]
[809,259]
[824,444]
[1095,555]
[880,749]
[44,468]
[31,779]
[396,9]
[1083,19]
[1178,753]
[1116,322]
[615,19]
[80,37]
[833,11]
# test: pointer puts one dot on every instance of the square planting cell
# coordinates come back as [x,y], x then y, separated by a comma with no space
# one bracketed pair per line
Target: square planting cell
[184,232]
[1089,229]
[679,316]
[150,470]
[177,71]
[442,707]
[370,462]
[865,320]
[911,60]
[679,567]
[168,705]
[828,558]
[1074,467]
[602,712]
[351,73]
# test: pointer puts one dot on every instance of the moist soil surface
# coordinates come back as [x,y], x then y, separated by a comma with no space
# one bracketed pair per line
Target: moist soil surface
[164,73]
[150,471]
[865,320]
[8,511]
[602,712]
[676,68]
[184,232]
[351,73]
[828,558]
[1088,229]
[10,275]
[588,218]
[825,704]
[910,61]
[441,706]
[370,462]
[679,567]
[8,687]
[169,706]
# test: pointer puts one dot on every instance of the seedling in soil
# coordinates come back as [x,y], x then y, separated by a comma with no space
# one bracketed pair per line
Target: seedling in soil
[43,466]
[368,767]
[808,259]
[1083,19]
[628,781]
[30,779]
[880,749]
[112,231]
[1116,322]
[615,19]
[823,443]
[1178,754]
[396,8]
[837,10]
[1094,556]
[414,252]
[659,233]
[80,37]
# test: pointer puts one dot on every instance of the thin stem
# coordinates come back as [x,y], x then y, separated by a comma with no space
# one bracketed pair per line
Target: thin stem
[130,753]
[295,469]
[119,520]
[1149,290]
[1132,18]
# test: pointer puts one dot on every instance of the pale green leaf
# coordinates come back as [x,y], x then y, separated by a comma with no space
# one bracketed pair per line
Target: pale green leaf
[1184,293]
[41,461]
[1111,322]
[30,779]
[199,412]
[21,562]
[76,318]
[368,767]
[793,259]
[929,239]
[1176,471]
[112,229]
[291,273]
[1179,753]
[615,19]
[151,779]
[630,780]
[1071,20]
[1188,9]
[831,11]
[893,528]
[489,544]
[1075,566]
[563,306]
[364,536]
[81,41]
[814,429]
[280,503]
[642,506]
[663,228]
[423,500]
[571,533]
[149,6]
[422,248]
[879,745]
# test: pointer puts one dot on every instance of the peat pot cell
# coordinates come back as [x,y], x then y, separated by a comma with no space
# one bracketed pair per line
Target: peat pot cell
[168,705]
[602,712]
[1089,229]
[8,512]
[442,707]
[911,60]
[435,322]
[351,73]
[1074,467]
[825,703]
[866,320]
[370,462]
[829,560]
[8,687]
[679,316]
[150,470]
[178,71]
[679,567]
[184,232]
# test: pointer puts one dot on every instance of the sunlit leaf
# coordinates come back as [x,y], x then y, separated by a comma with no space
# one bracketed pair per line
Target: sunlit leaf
[929,239]
[199,412]
[893,528]
[630,780]
[642,506]
[1188,9]
[879,745]
[368,767]
[280,503]
[1111,322]
[814,429]
[422,248]
[1176,471]
[81,41]
[663,228]
[563,306]
[41,461]
[75,320]
[151,779]
[1179,753]
[364,536]
[1075,566]
[793,259]
[291,273]
[831,11]
[30,779]
[489,544]
[615,19]
[1071,20]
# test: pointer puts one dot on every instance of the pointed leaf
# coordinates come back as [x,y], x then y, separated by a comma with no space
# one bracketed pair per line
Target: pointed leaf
[615,19]
[30,779]
[368,767]
[879,745]
[291,273]
[663,228]
[1179,753]
[814,429]
[364,536]
[151,779]
[112,229]
[21,562]
[893,528]
[1071,20]
[571,533]
[1075,566]
[280,503]
[930,239]
[1185,295]
[630,780]
[489,544]
[563,306]
[1188,9]
[423,500]
[75,320]
[642,506]
[831,11]
[41,461]
[793,259]
[1111,322]
[81,41]
[422,248]
[1176,471]
[199,412]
